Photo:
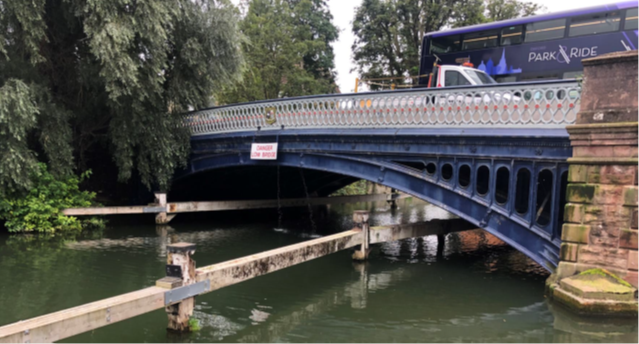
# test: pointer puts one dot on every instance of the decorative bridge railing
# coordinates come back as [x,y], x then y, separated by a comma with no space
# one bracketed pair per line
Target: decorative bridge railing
[535,104]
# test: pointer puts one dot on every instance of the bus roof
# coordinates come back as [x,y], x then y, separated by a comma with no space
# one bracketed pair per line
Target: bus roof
[540,17]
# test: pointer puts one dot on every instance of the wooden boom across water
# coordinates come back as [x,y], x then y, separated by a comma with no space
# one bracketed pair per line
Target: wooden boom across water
[175,293]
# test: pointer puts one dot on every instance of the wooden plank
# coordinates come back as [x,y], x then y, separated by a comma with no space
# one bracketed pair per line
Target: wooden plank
[187,207]
[70,322]
[231,272]
[138,209]
[73,321]
[398,232]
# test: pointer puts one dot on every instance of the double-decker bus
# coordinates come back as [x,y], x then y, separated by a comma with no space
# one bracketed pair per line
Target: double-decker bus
[548,46]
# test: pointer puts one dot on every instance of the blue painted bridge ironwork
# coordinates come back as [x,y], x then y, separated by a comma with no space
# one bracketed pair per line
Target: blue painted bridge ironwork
[495,156]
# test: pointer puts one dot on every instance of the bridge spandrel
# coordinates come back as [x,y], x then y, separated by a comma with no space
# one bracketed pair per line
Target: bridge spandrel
[537,104]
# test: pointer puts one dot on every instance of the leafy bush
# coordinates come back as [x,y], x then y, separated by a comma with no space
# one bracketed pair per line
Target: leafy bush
[40,209]
[359,187]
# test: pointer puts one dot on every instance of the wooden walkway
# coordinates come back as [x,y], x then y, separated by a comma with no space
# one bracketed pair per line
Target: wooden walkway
[176,294]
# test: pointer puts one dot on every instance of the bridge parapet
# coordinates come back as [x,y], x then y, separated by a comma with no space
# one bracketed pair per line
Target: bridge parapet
[544,104]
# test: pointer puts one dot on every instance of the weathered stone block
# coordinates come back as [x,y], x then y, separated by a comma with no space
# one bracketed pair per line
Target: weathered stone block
[628,238]
[597,287]
[633,219]
[565,269]
[631,277]
[578,174]
[608,194]
[604,235]
[593,174]
[632,260]
[580,193]
[574,213]
[612,174]
[592,213]
[575,233]
[625,151]
[603,256]
[568,252]
[630,196]
[592,151]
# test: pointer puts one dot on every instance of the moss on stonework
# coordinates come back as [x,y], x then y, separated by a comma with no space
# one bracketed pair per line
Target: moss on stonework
[580,193]
[572,213]
[606,273]
[630,196]
[593,210]
[577,173]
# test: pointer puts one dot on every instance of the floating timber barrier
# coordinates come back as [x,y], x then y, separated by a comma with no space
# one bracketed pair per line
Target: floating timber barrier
[166,211]
[175,292]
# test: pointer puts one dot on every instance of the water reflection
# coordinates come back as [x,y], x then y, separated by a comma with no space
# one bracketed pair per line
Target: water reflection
[466,286]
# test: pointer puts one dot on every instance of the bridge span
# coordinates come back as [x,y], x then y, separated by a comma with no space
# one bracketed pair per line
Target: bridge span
[492,155]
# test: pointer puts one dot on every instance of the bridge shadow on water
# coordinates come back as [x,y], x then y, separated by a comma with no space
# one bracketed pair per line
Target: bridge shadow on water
[473,288]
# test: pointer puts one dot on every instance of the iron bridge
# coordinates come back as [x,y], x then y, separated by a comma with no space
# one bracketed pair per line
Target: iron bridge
[492,155]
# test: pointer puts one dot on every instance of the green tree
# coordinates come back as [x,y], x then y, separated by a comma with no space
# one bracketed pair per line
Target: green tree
[40,210]
[287,51]
[84,76]
[389,33]
[508,9]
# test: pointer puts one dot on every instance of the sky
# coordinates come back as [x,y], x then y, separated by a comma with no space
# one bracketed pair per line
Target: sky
[344,10]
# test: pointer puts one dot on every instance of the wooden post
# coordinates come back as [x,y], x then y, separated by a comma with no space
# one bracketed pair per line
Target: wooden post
[162,218]
[360,217]
[180,268]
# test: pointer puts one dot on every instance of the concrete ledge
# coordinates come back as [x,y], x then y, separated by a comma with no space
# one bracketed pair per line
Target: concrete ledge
[592,306]
[596,292]
[603,161]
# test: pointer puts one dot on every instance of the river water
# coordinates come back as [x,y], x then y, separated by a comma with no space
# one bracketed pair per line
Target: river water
[474,288]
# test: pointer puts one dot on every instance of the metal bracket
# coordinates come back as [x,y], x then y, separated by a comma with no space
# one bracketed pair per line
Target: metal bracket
[181,293]
[173,270]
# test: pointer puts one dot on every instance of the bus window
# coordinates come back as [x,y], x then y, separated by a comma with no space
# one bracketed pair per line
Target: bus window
[454,78]
[479,77]
[542,31]
[511,35]
[480,40]
[631,19]
[442,45]
[595,23]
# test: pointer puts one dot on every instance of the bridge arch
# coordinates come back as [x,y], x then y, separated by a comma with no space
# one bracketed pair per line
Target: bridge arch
[507,209]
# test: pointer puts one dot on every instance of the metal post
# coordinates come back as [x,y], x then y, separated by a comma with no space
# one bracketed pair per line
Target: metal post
[180,271]
[356,84]
[360,217]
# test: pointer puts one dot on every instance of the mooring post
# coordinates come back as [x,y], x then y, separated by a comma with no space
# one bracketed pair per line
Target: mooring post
[360,217]
[180,271]
[162,218]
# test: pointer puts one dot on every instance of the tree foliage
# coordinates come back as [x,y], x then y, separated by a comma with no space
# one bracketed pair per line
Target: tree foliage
[287,50]
[388,33]
[77,75]
[40,210]
[508,9]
